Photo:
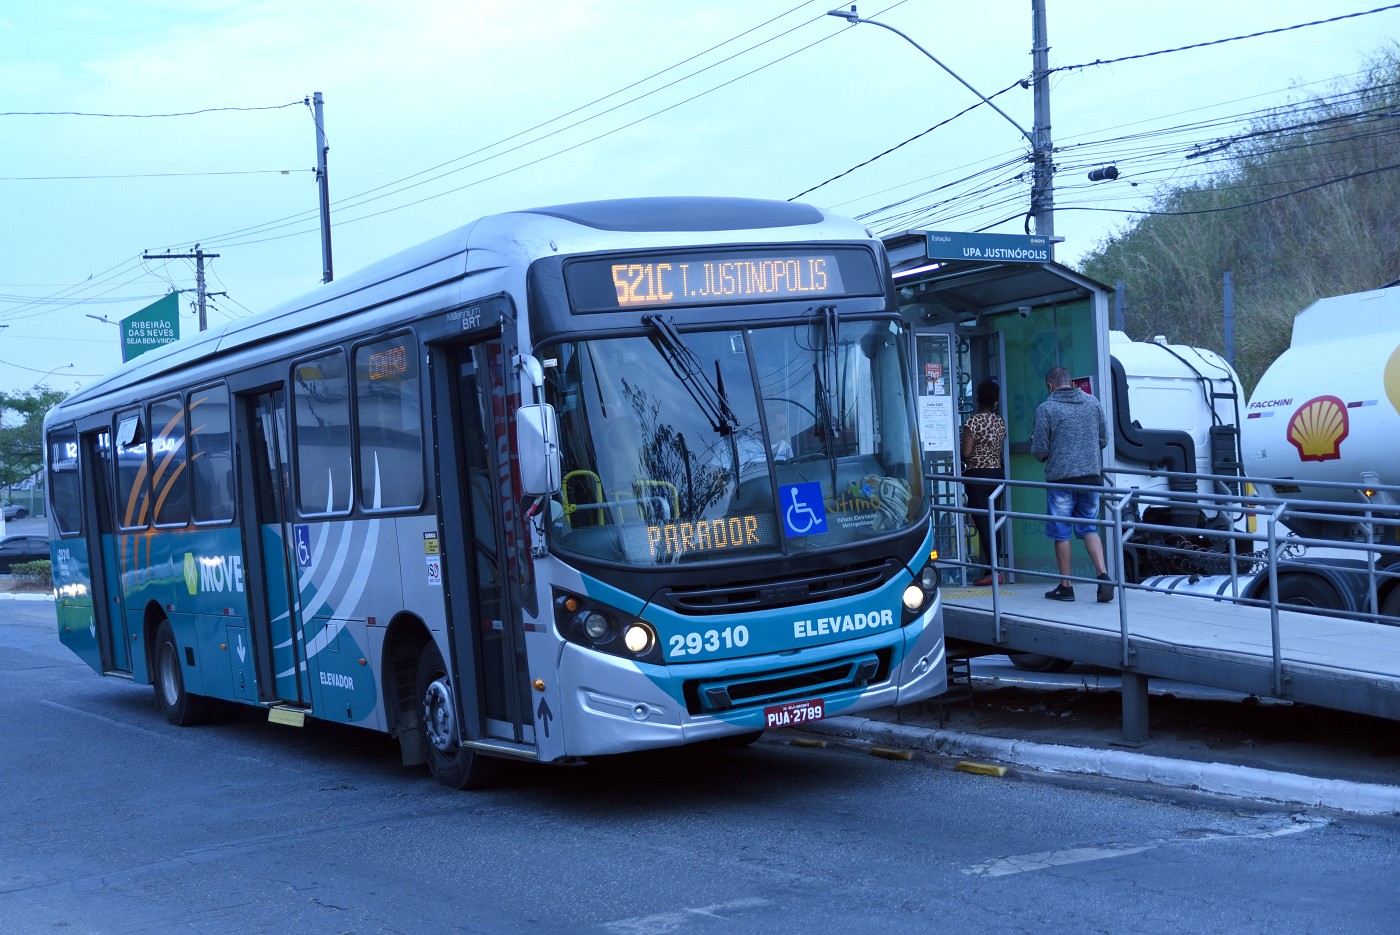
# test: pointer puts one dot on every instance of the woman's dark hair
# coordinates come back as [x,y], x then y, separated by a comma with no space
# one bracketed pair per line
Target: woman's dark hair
[988,392]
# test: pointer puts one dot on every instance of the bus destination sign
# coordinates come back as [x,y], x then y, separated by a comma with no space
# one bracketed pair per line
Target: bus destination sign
[662,283]
[718,278]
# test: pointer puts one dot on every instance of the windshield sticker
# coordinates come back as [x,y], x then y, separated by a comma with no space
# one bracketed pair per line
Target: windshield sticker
[804,514]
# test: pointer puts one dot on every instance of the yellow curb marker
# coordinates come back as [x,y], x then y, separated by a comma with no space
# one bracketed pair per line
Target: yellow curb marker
[889,754]
[981,769]
[800,742]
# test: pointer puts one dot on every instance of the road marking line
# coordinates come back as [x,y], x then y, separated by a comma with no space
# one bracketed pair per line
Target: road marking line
[676,920]
[1026,863]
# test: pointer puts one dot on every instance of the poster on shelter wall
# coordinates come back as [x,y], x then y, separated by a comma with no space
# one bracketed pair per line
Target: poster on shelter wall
[934,372]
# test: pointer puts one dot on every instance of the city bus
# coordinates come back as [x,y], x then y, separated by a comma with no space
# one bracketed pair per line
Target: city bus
[565,482]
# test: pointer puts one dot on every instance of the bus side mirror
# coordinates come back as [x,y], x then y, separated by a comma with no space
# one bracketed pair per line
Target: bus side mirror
[537,436]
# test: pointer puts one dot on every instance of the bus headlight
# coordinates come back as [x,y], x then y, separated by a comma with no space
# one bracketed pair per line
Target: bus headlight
[595,624]
[921,591]
[638,638]
[603,628]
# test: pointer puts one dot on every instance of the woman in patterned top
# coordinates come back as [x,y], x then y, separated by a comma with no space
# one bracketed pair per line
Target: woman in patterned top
[982,438]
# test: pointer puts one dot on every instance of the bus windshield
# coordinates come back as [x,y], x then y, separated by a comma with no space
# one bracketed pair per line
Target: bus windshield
[752,442]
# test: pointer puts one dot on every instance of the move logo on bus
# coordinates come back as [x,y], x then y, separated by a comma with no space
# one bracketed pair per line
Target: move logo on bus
[215,573]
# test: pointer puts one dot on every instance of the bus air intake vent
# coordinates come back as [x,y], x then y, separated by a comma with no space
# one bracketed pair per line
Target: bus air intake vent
[786,591]
[711,696]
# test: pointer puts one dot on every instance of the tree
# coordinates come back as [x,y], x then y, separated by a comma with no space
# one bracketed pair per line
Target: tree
[1307,206]
[22,439]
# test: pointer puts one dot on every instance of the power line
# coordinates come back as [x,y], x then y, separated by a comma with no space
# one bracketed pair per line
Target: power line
[941,123]
[187,113]
[1202,45]
[1247,204]
[147,175]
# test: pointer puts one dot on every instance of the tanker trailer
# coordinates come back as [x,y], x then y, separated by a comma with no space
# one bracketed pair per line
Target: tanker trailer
[1328,410]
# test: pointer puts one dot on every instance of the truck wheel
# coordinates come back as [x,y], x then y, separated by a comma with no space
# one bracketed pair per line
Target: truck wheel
[1035,662]
[1307,591]
[1390,607]
[450,763]
[179,706]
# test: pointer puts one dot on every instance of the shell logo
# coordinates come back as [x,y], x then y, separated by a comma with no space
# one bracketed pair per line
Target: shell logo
[1318,427]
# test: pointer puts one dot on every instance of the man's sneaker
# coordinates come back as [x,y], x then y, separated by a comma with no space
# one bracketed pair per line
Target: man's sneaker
[1061,592]
[1105,589]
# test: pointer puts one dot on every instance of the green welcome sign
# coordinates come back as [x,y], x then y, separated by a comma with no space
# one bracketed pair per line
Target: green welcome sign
[156,325]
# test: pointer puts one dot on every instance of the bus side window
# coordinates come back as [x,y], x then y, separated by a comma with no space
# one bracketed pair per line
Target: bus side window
[133,489]
[389,420]
[322,421]
[65,492]
[169,483]
[211,455]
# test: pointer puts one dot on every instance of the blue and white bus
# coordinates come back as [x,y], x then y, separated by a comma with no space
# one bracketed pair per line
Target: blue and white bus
[570,481]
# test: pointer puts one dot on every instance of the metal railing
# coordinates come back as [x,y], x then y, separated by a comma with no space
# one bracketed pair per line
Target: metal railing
[1238,536]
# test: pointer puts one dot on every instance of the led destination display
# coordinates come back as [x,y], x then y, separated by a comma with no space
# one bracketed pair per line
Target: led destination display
[714,278]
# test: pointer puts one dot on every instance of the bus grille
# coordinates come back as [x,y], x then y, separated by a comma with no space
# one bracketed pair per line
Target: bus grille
[801,682]
[786,591]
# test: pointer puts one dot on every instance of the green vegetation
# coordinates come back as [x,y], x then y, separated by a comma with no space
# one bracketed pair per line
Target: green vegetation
[1306,206]
[33,576]
[22,441]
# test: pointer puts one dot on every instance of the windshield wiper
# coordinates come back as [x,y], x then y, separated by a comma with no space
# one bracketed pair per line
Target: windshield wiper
[691,372]
[823,372]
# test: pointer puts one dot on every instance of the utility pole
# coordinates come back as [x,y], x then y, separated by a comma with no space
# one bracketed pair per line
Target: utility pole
[323,183]
[198,257]
[1042,207]
[1042,185]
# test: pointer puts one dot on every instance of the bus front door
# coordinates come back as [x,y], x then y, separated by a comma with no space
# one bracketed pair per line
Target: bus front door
[109,615]
[478,502]
[268,543]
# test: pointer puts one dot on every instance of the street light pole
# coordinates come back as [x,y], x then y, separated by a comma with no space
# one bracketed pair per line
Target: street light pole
[1042,197]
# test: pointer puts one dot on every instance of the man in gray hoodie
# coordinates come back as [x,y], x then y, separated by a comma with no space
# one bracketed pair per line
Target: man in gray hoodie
[1068,435]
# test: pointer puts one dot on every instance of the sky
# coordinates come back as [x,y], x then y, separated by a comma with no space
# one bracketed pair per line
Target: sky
[441,111]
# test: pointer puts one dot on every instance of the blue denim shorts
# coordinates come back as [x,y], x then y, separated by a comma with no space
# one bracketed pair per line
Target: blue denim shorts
[1080,503]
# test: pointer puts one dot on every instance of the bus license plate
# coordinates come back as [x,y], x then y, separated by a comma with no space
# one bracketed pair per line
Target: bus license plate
[794,713]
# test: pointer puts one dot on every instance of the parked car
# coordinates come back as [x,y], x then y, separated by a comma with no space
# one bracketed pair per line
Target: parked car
[13,510]
[16,550]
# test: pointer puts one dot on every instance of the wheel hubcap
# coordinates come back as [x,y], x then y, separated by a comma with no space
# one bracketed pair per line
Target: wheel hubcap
[439,720]
[169,675]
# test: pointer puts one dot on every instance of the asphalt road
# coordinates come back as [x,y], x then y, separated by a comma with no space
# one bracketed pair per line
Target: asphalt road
[115,822]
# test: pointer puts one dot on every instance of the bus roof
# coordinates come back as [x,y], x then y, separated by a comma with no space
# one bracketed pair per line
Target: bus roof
[515,237]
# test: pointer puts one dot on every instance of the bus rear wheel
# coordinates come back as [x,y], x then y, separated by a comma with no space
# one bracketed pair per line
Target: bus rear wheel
[179,706]
[450,763]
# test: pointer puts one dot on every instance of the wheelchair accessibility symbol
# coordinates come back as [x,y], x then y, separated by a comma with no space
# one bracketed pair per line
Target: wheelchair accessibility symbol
[302,534]
[804,513]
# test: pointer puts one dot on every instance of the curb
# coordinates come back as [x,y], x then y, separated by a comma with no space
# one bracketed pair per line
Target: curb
[24,596]
[1217,778]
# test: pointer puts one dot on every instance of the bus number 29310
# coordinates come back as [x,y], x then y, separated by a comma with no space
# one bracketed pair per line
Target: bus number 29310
[690,644]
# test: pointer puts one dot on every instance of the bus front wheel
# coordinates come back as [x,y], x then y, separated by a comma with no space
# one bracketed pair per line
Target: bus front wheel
[450,763]
[178,706]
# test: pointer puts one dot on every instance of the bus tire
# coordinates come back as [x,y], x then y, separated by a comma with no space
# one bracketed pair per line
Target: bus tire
[1036,662]
[451,764]
[1307,591]
[179,706]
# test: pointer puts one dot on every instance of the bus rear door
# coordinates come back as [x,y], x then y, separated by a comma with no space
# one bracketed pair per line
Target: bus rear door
[269,543]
